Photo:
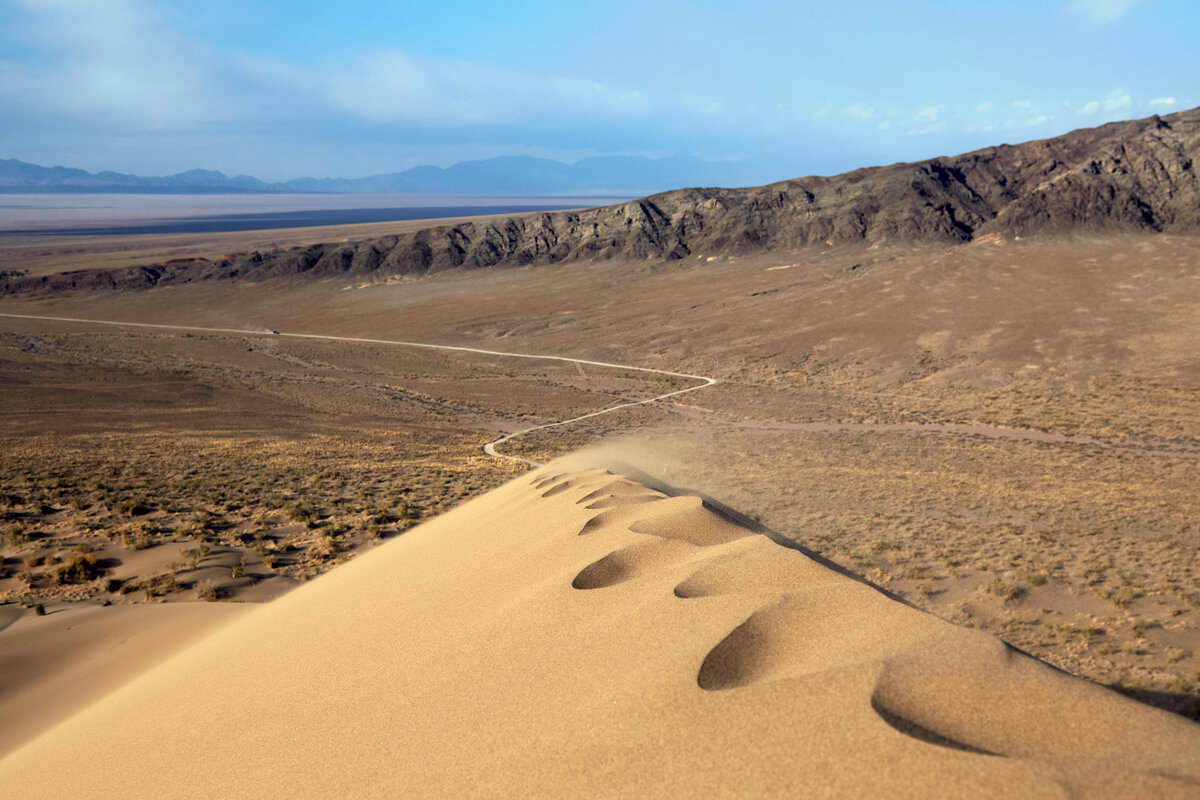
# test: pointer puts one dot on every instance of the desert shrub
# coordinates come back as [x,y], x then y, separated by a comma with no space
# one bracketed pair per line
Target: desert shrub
[1142,625]
[133,506]
[379,516]
[999,587]
[153,586]
[238,537]
[136,540]
[1122,596]
[159,585]
[1036,578]
[300,512]
[210,591]
[79,568]
[195,555]
[15,536]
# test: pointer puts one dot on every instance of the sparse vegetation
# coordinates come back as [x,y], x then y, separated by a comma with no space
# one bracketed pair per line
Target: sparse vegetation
[133,507]
[157,585]
[1004,589]
[1122,596]
[968,525]
[79,568]
[210,590]
[137,540]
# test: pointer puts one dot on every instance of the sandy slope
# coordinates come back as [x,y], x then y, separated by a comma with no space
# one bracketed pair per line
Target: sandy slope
[579,634]
[56,665]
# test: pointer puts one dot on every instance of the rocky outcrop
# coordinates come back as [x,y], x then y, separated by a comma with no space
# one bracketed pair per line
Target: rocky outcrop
[1124,176]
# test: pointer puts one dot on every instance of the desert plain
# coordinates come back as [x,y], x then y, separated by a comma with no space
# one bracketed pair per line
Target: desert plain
[918,462]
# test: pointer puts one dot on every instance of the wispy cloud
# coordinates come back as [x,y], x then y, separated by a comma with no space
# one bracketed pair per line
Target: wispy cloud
[120,60]
[116,58]
[1117,102]
[1161,101]
[926,121]
[394,86]
[859,110]
[1102,12]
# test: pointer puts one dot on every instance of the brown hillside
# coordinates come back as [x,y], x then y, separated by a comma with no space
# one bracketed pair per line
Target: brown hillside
[1121,177]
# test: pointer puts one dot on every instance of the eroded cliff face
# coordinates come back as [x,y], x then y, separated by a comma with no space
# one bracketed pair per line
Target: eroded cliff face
[1120,177]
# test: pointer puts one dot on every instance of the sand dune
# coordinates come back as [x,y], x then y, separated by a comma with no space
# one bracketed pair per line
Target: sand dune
[56,665]
[580,634]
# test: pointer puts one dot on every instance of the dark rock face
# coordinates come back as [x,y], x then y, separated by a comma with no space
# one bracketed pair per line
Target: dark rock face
[1121,177]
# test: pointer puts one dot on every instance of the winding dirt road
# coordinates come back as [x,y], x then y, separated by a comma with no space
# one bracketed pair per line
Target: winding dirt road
[1175,449]
[490,447]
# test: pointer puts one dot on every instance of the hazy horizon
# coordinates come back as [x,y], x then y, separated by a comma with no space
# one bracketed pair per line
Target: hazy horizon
[287,90]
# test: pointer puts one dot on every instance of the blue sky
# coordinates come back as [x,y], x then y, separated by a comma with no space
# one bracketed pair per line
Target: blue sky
[288,88]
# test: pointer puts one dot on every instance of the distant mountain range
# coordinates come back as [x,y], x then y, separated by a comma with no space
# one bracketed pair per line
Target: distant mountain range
[508,175]
[1138,176]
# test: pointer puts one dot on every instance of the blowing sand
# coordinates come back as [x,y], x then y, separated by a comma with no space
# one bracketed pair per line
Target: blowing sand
[575,633]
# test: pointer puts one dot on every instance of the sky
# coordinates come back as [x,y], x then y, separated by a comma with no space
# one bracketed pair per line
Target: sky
[281,89]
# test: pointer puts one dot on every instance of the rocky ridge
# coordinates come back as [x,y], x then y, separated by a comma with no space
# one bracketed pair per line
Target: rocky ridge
[1134,176]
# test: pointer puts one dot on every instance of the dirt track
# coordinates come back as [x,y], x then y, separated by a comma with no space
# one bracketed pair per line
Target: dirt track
[490,447]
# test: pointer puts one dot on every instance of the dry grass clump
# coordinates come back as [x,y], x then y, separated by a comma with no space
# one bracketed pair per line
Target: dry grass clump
[210,591]
[79,568]
[138,540]
[158,585]
[1006,590]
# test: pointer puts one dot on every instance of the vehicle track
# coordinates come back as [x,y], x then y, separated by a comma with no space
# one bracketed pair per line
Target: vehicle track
[490,447]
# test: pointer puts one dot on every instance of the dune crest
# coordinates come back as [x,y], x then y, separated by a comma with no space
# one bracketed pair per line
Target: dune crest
[575,633]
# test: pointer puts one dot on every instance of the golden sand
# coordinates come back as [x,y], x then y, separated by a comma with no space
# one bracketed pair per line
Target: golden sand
[579,634]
